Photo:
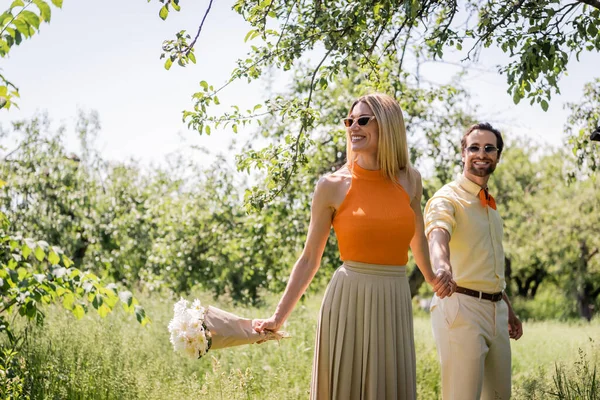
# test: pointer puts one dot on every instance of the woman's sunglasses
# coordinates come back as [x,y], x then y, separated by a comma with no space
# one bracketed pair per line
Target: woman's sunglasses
[362,121]
[488,148]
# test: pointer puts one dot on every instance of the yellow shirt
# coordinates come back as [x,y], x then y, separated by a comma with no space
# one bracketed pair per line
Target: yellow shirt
[476,252]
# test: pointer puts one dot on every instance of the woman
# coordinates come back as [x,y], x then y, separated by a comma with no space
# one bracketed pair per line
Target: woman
[364,344]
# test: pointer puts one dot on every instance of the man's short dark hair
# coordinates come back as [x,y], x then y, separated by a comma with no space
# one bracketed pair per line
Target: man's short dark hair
[483,126]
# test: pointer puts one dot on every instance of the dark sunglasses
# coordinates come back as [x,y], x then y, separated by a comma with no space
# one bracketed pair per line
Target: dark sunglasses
[488,148]
[362,121]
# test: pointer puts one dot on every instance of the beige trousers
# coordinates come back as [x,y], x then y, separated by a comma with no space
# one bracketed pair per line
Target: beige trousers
[473,347]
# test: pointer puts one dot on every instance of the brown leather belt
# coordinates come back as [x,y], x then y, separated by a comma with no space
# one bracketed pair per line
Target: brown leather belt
[480,295]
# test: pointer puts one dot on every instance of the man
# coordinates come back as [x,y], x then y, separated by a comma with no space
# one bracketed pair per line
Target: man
[472,326]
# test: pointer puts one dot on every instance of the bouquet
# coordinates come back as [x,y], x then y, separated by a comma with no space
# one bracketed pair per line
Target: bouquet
[195,330]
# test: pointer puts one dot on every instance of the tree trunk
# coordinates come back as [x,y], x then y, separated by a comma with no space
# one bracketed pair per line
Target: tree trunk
[584,304]
[584,289]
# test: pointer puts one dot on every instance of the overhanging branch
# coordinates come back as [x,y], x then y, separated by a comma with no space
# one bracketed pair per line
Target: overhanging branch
[593,3]
[191,46]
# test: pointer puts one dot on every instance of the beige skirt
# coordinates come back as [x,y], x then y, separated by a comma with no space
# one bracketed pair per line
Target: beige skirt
[365,346]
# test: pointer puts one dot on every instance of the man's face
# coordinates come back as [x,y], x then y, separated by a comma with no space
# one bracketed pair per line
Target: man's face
[480,163]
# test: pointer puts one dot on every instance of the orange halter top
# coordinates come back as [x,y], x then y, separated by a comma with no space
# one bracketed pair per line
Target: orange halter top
[375,223]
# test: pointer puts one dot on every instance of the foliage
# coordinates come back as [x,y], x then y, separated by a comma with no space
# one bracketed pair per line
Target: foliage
[584,118]
[551,227]
[35,274]
[376,39]
[172,228]
[20,21]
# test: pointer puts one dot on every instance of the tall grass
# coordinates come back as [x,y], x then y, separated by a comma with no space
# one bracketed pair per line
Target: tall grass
[581,383]
[115,358]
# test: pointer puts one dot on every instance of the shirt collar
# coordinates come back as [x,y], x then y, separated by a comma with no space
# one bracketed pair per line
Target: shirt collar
[468,185]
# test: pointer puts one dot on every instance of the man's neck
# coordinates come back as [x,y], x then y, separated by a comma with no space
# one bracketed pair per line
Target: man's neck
[480,180]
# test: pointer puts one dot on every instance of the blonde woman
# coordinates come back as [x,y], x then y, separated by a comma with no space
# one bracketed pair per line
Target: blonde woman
[364,343]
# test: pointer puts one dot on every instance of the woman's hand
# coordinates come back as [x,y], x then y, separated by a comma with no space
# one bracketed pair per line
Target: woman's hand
[269,324]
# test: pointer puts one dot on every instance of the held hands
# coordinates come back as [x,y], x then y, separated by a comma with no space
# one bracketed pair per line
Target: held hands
[443,285]
[269,324]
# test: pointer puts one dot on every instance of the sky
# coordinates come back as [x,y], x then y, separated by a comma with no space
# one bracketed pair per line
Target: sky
[104,56]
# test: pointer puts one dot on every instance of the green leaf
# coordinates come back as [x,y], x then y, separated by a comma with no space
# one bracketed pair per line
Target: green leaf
[66,261]
[45,12]
[2,183]
[39,254]
[168,63]
[192,57]
[103,310]
[207,130]
[53,258]
[204,85]
[140,314]
[250,33]
[31,18]
[68,300]
[17,3]
[22,27]
[78,311]
[26,250]
[163,13]
[592,29]
[98,301]
[57,3]
[516,97]
[544,105]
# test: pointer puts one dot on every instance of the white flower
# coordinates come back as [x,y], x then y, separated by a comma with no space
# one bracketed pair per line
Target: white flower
[187,332]
[180,307]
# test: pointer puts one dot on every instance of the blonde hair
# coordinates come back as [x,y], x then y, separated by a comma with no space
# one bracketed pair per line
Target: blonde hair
[392,147]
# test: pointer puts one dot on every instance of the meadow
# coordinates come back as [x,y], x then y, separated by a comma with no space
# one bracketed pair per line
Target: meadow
[116,358]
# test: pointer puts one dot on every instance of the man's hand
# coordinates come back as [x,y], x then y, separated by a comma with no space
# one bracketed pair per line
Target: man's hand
[515,328]
[443,285]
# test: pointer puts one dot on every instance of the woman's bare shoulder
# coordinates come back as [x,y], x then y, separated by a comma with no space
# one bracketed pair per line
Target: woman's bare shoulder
[336,178]
[334,184]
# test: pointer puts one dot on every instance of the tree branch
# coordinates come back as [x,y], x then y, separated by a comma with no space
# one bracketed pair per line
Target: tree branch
[593,3]
[494,27]
[15,17]
[302,128]
[592,254]
[191,46]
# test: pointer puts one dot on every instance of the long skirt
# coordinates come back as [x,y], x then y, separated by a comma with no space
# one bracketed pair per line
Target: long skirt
[365,343]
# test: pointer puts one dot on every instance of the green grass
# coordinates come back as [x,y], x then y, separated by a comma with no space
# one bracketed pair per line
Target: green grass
[116,358]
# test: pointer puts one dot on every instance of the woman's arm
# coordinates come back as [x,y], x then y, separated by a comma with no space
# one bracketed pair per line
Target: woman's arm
[441,281]
[307,265]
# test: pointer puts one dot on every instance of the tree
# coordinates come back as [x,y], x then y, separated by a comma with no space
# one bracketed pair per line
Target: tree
[551,227]
[584,118]
[539,36]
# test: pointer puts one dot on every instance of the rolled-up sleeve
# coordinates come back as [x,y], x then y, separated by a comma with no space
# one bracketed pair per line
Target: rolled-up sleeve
[439,213]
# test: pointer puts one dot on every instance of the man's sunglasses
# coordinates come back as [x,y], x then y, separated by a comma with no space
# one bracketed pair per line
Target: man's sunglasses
[362,121]
[488,148]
